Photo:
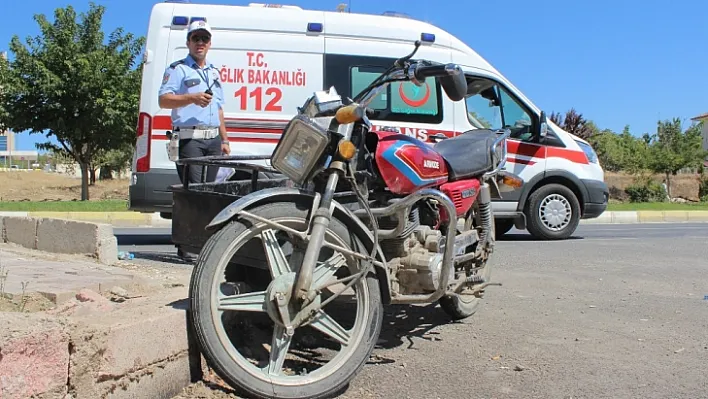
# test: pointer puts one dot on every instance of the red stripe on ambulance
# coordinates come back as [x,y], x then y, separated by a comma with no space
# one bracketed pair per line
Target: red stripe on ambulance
[515,148]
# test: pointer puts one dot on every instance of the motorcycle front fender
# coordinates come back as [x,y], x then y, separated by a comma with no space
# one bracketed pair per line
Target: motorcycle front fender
[307,198]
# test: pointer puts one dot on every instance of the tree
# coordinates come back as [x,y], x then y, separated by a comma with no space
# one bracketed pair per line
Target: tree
[672,149]
[621,151]
[70,83]
[575,123]
[5,84]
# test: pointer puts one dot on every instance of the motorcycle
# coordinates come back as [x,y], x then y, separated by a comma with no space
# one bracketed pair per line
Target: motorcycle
[374,218]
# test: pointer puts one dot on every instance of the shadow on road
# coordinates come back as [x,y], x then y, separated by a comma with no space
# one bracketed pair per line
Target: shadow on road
[529,237]
[144,239]
[164,257]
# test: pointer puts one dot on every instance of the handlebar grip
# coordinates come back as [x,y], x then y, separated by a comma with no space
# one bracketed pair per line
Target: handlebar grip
[423,72]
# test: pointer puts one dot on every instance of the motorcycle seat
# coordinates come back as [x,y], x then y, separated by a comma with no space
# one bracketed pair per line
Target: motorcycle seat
[467,155]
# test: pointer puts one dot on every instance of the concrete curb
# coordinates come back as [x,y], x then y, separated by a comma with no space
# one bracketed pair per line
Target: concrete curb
[118,219]
[141,350]
[135,219]
[61,236]
[631,217]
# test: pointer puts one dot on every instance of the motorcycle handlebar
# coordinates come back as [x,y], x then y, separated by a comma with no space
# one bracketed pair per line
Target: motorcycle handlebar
[422,72]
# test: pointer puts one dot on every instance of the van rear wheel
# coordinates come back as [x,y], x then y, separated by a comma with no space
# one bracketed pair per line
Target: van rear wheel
[553,212]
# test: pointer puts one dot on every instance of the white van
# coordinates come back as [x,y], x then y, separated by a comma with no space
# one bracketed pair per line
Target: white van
[271,58]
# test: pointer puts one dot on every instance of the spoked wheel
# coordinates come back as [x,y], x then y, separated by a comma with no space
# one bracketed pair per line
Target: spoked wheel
[240,300]
[465,302]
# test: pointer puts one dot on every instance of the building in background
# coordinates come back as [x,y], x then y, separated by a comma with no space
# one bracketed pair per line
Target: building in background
[10,157]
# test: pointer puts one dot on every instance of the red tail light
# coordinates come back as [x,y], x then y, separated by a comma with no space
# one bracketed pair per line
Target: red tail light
[142,144]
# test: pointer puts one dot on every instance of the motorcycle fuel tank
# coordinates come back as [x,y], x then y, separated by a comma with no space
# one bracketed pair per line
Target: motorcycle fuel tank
[407,164]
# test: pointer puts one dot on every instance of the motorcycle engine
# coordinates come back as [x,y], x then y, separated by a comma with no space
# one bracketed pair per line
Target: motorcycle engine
[415,255]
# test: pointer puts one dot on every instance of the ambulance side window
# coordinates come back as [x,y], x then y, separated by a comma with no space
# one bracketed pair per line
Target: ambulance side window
[403,102]
[494,108]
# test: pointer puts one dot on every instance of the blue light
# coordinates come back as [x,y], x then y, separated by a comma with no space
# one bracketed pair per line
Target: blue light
[197,19]
[315,27]
[427,37]
[180,21]
[176,1]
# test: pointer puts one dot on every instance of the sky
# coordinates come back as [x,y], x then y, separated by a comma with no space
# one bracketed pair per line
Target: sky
[618,62]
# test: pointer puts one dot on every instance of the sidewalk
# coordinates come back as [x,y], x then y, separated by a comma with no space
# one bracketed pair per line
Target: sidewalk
[69,325]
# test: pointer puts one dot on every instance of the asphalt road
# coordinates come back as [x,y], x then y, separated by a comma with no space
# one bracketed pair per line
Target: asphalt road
[617,312]
[151,242]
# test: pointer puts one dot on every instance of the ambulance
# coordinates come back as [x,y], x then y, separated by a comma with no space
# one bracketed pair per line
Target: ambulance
[271,58]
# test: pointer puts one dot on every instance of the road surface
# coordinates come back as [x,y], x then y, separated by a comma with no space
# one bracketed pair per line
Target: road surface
[155,242]
[616,312]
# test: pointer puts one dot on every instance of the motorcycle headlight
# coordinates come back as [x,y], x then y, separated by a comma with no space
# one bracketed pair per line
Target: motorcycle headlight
[300,148]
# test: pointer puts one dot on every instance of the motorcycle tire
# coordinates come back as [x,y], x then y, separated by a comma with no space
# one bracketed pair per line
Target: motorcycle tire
[253,382]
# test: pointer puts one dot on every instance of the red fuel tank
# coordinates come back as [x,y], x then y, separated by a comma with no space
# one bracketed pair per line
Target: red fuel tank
[407,165]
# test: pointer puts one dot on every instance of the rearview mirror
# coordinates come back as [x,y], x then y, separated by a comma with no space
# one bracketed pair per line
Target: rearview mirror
[455,86]
[543,126]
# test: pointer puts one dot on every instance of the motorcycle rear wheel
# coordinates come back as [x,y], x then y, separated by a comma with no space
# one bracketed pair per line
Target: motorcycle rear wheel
[223,355]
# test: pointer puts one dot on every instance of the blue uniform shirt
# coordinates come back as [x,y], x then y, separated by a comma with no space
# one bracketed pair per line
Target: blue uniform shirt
[184,76]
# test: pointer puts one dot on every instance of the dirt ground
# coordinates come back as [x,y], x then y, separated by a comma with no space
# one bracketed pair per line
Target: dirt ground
[684,186]
[43,186]
[29,303]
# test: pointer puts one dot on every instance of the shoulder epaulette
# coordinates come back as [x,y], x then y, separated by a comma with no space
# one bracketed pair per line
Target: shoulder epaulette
[174,64]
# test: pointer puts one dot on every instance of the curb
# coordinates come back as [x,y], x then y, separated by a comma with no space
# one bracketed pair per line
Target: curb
[135,219]
[62,236]
[136,351]
[633,217]
[119,219]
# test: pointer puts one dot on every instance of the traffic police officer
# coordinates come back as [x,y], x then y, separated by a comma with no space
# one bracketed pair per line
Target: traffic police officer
[191,88]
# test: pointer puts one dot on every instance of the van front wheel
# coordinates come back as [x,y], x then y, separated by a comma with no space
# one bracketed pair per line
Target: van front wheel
[553,212]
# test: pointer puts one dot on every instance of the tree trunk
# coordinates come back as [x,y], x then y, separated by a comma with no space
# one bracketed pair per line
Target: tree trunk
[84,181]
[668,185]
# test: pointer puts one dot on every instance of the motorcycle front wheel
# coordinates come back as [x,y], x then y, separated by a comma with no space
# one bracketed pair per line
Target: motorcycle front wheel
[238,324]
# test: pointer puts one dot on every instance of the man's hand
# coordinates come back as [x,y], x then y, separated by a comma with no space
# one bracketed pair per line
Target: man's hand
[225,148]
[201,99]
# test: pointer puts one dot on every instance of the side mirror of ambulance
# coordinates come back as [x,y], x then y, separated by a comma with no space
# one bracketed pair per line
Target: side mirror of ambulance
[543,126]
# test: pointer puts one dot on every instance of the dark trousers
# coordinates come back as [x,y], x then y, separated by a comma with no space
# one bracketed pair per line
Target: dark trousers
[191,148]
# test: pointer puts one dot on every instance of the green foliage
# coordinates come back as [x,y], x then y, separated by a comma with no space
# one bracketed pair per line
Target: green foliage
[703,188]
[5,83]
[673,149]
[645,189]
[621,151]
[69,82]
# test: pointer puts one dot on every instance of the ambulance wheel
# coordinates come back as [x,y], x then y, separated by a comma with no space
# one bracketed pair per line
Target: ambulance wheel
[552,212]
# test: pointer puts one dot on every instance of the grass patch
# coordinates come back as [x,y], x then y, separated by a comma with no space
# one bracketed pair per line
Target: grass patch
[658,206]
[65,206]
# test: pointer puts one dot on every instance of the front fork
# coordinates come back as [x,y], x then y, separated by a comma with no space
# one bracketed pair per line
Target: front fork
[320,222]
